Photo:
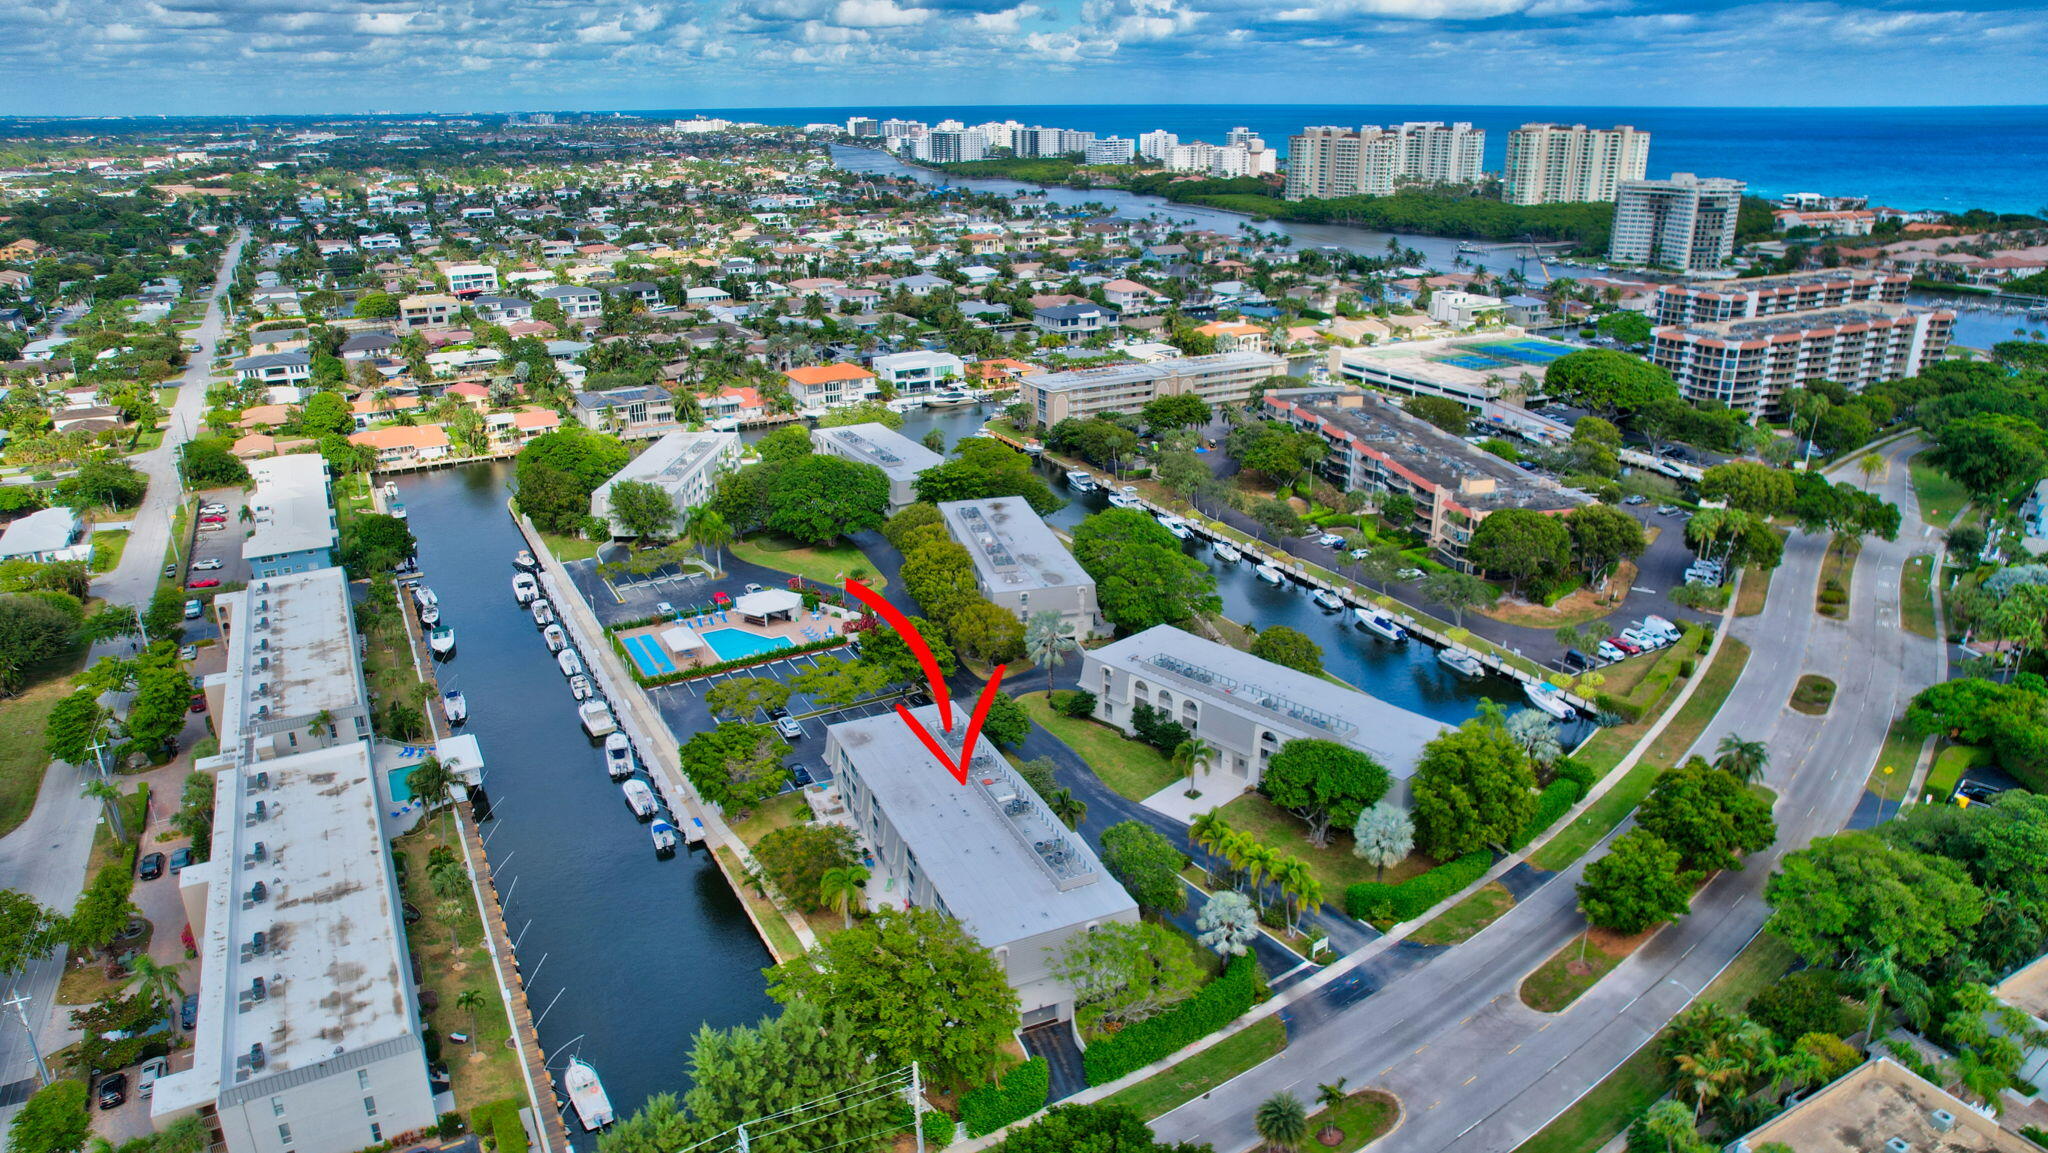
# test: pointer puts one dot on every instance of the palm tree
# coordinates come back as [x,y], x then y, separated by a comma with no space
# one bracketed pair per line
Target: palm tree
[472,1001]
[840,887]
[1070,809]
[1189,756]
[1870,465]
[1741,759]
[152,979]
[431,783]
[109,795]
[710,530]
[1329,1096]
[1048,636]
[1282,1121]
[1259,862]
[1981,1078]
[1707,1075]
[1207,832]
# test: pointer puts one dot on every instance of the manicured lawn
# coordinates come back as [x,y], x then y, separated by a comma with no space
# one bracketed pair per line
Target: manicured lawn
[774,813]
[828,566]
[1574,969]
[1837,569]
[1361,1118]
[449,941]
[568,548]
[1901,753]
[1164,1092]
[22,717]
[1940,498]
[1130,768]
[1756,585]
[1463,920]
[1951,764]
[106,550]
[1916,596]
[1813,695]
[1334,866]
[1621,800]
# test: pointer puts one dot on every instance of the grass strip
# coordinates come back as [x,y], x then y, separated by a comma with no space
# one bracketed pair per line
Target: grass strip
[1916,596]
[1163,1092]
[1462,921]
[1131,769]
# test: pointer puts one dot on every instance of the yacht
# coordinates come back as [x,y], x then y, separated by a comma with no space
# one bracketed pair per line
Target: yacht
[543,612]
[1080,481]
[442,641]
[1269,574]
[597,718]
[1329,600]
[1462,663]
[664,835]
[457,708]
[1550,699]
[524,562]
[556,639]
[570,662]
[587,1095]
[525,588]
[1126,497]
[1379,624]
[1227,553]
[430,615]
[949,398]
[1173,524]
[1470,249]
[579,688]
[639,798]
[618,756]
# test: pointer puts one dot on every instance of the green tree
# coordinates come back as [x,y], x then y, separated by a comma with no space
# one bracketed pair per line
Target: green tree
[840,888]
[1522,544]
[1458,591]
[1742,759]
[1146,864]
[735,766]
[785,443]
[376,306]
[940,575]
[1606,381]
[1049,636]
[709,530]
[1639,883]
[1281,1121]
[1090,1129]
[643,509]
[912,986]
[741,697]
[28,931]
[75,723]
[1322,782]
[1990,455]
[1142,578]
[1182,410]
[1122,973]
[53,1120]
[797,857]
[1473,787]
[1289,647]
[886,651]
[1853,894]
[210,462]
[988,631]
[1709,817]
[103,483]
[372,543]
[820,498]
[1603,536]
[835,681]
[1627,327]
[326,413]
[1441,411]
[33,628]
[102,911]
[1007,723]
[1227,923]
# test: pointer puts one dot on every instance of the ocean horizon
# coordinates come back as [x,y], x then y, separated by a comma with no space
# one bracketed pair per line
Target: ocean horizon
[1951,158]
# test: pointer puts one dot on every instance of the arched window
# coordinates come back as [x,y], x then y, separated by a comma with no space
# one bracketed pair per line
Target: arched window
[1139,692]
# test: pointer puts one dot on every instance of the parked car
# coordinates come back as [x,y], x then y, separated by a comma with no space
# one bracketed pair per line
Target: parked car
[788,727]
[213,510]
[207,565]
[179,859]
[188,652]
[1625,645]
[1635,498]
[753,588]
[1660,625]
[1642,639]
[1666,509]
[1608,652]
[188,1011]
[198,702]
[113,1090]
[193,608]
[204,583]
[214,518]
[146,1077]
[1360,553]
[1409,574]
[212,526]
[151,868]
[1330,540]
[1577,661]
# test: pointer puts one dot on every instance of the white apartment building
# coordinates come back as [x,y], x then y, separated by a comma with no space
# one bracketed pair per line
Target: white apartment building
[1750,364]
[1326,161]
[1571,163]
[467,279]
[1225,378]
[915,373]
[900,458]
[1157,145]
[685,465]
[1110,150]
[1686,223]
[1752,297]
[1432,152]
[1020,563]
[952,146]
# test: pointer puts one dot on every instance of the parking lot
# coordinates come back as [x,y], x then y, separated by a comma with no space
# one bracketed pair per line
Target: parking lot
[222,545]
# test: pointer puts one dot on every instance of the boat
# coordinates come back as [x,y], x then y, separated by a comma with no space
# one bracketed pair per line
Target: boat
[571,663]
[907,403]
[1269,574]
[639,798]
[1329,600]
[430,615]
[597,718]
[1227,553]
[664,835]
[543,612]
[1174,525]
[949,398]
[1470,249]
[618,756]
[455,705]
[587,1095]
[557,640]
[1125,500]
[1379,624]
[442,641]
[1550,699]
[524,562]
[1461,663]
[579,688]
[424,596]
[1033,449]
[1080,481]
[525,588]
[394,508]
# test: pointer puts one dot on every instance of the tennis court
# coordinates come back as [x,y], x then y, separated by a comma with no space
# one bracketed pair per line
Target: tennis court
[1523,351]
[1475,363]
[646,652]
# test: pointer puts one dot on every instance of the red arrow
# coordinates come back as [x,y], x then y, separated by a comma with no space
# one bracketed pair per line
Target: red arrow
[959,768]
[918,648]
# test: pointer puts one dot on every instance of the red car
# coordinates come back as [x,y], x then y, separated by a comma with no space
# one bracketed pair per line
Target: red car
[1629,647]
[213,518]
[198,702]
[209,582]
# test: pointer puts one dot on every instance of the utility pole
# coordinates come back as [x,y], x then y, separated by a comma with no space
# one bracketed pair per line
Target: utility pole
[741,1146]
[19,1003]
[916,1105]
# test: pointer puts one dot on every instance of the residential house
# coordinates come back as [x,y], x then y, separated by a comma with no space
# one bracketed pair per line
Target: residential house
[917,373]
[577,302]
[435,310]
[1074,322]
[816,388]
[275,368]
[636,412]
[402,444]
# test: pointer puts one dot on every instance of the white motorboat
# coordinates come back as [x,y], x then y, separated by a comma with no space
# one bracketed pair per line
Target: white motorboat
[1379,624]
[557,640]
[1461,663]
[597,718]
[1125,500]
[524,562]
[1329,600]
[1269,574]
[430,615]
[424,596]
[907,403]
[1227,553]
[571,663]
[395,508]
[525,588]
[587,1095]
[618,756]
[454,704]
[665,838]
[579,688]
[1080,481]
[1550,699]
[639,798]
[1175,525]
[543,612]
[949,398]
[442,641]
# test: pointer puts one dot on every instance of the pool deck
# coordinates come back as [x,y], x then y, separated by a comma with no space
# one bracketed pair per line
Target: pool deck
[789,631]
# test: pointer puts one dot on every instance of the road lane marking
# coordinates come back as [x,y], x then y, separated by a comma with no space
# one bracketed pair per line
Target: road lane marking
[1469,1080]
[1511,1052]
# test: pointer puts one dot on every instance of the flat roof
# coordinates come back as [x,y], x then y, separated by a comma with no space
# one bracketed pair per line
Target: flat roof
[1311,705]
[1871,315]
[1880,1101]
[292,652]
[1219,363]
[44,530]
[1013,548]
[676,457]
[997,857]
[879,445]
[290,506]
[2027,988]
[1787,282]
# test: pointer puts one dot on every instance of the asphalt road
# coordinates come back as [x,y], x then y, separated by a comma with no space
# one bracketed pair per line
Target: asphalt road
[1474,1068]
[46,857]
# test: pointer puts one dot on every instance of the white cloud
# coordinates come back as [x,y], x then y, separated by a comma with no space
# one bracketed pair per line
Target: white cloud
[876,14]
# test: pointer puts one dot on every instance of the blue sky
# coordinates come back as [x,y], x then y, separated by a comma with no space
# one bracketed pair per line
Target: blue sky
[86,57]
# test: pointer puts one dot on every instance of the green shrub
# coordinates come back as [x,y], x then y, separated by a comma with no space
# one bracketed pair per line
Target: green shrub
[1076,703]
[938,1130]
[1685,667]
[1218,1004]
[449,1125]
[1556,799]
[1020,1093]
[1406,900]
[1629,711]
[483,1120]
[1573,769]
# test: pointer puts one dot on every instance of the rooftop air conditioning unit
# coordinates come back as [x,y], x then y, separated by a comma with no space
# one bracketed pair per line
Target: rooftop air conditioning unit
[1898,1145]
[258,892]
[1943,1120]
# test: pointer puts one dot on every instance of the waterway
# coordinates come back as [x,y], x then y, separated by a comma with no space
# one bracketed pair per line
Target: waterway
[625,956]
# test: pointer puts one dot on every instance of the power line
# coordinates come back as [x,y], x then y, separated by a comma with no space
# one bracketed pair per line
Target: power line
[882,1086]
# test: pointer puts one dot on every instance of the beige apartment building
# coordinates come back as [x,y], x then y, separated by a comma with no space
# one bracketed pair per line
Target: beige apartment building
[1225,378]
[1751,364]
[1685,224]
[1775,295]
[1571,163]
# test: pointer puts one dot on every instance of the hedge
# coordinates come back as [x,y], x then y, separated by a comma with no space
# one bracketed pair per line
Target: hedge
[940,1129]
[1017,1095]
[1218,1004]
[1406,900]
[1555,801]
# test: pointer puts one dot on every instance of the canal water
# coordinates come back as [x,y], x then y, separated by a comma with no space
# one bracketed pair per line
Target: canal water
[624,955]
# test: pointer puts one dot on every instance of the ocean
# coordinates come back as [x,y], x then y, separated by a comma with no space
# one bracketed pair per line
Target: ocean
[1947,158]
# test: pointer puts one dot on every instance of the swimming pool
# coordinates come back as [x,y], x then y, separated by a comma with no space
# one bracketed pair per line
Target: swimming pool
[401,792]
[735,644]
[646,653]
